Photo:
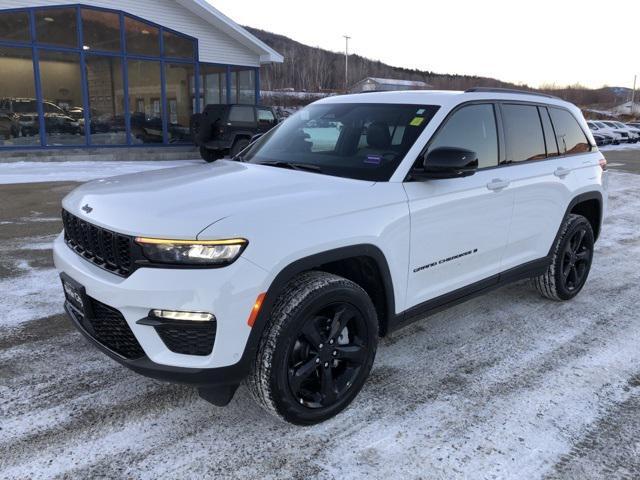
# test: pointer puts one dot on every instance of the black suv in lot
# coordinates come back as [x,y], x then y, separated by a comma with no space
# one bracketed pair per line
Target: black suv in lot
[227,129]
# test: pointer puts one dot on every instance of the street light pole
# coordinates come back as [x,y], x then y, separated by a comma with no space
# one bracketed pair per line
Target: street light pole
[633,94]
[346,62]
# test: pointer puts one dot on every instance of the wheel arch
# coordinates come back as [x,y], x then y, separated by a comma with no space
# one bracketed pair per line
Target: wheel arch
[589,205]
[331,261]
[241,134]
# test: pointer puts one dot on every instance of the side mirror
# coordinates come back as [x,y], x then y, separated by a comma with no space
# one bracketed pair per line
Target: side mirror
[450,162]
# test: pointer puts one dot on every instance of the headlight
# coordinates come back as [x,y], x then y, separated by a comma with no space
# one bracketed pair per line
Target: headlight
[192,252]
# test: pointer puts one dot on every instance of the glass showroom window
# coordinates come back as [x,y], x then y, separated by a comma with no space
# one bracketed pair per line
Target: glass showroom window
[176,46]
[106,99]
[62,97]
[142,38]
[213,85]
[19,125]
[101,31]
[243,85]
[180,100]
[14,26]
[57,26]
[145,101]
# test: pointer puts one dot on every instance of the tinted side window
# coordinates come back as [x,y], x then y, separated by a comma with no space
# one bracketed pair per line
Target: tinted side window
[474,128]
[242,114]
[266,116]
[571,138]
[523,133]
[549,135]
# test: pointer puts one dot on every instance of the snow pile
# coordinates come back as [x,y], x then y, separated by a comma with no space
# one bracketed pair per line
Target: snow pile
[35,172]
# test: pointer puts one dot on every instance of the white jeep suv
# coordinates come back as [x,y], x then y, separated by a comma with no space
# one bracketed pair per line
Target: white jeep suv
[354,217]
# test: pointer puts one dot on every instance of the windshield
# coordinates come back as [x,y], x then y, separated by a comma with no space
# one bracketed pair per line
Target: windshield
[360,141]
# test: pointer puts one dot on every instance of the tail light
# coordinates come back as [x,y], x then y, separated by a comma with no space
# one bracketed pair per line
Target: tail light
[603,164]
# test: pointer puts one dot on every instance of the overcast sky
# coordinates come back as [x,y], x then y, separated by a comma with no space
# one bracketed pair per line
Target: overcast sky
[542,42]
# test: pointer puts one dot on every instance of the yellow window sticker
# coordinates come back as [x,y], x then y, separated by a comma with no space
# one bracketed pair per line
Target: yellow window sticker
[417,121]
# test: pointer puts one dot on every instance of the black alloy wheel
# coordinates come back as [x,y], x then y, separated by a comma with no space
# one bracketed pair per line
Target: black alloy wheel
[576,259]
[571,260]
[327,355]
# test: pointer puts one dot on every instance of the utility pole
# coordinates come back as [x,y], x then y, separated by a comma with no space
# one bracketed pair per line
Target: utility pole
[346,62]
[633,94]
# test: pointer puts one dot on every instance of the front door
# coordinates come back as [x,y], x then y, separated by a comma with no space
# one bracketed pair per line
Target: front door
[460,226]
[266,120]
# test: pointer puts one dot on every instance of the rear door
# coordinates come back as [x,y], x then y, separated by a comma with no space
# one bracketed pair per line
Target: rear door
[459,226]
[545,151]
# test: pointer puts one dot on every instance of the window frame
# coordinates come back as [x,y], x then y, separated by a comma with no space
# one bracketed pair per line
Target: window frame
[265,109]
[592,147]
[240,106]
[501,136]
[542,131]
[499,133]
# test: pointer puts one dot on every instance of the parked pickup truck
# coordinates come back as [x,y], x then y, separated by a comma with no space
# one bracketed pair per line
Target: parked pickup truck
[227,129]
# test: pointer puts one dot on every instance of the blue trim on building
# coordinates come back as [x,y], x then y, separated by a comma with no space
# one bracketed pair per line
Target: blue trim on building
[83,77]
[37,47]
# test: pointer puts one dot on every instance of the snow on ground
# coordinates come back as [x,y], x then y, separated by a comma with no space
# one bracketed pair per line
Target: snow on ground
[622,146]
[82,171]
[29,292]
[508,385]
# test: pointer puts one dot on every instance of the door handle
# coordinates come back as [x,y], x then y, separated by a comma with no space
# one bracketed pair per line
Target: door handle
[561,172]
[498,184]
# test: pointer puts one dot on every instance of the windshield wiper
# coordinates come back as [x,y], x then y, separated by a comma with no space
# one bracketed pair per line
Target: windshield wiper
[293,166]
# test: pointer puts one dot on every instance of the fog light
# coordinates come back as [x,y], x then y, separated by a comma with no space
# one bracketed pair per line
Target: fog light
[189,316]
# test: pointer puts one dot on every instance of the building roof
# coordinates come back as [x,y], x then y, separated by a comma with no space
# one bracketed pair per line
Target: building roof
[206,11]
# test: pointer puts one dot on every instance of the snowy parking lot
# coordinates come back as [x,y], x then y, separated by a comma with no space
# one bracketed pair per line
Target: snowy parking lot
[508,385]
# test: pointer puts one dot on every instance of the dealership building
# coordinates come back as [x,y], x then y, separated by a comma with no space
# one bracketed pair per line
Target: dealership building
[118,73]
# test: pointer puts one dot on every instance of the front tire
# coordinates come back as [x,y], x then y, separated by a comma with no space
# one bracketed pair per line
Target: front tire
[317,351]
[571,263]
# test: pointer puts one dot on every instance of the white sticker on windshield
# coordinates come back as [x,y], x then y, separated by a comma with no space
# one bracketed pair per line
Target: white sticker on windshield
[420,112]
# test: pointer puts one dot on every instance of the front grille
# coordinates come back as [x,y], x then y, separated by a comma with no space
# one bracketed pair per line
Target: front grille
[188,339]
[108,326]
[104,248]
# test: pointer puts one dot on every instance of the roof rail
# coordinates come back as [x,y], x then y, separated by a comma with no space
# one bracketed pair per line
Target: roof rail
[506,90]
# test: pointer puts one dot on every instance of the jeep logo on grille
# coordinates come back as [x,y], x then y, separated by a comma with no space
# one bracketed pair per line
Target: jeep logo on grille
[87,208]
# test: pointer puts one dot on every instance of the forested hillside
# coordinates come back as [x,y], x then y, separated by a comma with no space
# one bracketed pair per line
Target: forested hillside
[312,69]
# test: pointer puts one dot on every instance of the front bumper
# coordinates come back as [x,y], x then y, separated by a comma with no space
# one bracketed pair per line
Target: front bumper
[228,293]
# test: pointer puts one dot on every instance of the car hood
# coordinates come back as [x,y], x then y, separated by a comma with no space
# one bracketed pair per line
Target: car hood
[182,202]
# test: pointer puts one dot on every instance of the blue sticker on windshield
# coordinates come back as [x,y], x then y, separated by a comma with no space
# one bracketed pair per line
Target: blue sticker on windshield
[373,159]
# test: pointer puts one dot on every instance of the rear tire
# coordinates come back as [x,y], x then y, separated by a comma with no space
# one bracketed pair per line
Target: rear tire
[571,262]
[210,155]
[317,350]
[238,146]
